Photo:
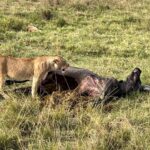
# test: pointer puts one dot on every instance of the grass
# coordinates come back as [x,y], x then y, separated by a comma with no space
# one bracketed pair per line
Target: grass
[107,37]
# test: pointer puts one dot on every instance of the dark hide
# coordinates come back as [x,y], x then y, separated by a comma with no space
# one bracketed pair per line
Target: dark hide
[88,83]
[83,81]
[132,83]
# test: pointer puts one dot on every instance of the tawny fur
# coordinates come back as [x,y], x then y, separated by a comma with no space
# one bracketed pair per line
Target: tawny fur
[32,28]
[34,69]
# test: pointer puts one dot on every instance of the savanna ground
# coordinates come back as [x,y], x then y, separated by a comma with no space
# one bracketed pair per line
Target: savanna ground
[109,37]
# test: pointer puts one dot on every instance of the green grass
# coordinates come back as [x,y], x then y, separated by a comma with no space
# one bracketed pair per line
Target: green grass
[107,37]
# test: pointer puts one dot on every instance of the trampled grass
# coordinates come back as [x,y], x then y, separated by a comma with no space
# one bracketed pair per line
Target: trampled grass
[107,37]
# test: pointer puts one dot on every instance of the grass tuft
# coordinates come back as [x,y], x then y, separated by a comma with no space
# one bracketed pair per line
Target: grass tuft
[61,22]
[16,24]
[47,14]
[108,37]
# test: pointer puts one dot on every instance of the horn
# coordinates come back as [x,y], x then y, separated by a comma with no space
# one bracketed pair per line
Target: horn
[146,88]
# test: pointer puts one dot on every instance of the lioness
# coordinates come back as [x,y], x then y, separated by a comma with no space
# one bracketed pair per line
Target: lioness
[34,69]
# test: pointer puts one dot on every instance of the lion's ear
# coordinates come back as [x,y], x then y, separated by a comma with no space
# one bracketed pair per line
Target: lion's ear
[56,61]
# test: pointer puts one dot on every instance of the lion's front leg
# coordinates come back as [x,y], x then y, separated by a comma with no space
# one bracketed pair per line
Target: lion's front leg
[36,83]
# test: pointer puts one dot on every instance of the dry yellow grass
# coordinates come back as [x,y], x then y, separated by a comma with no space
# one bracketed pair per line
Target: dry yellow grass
[107,37]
